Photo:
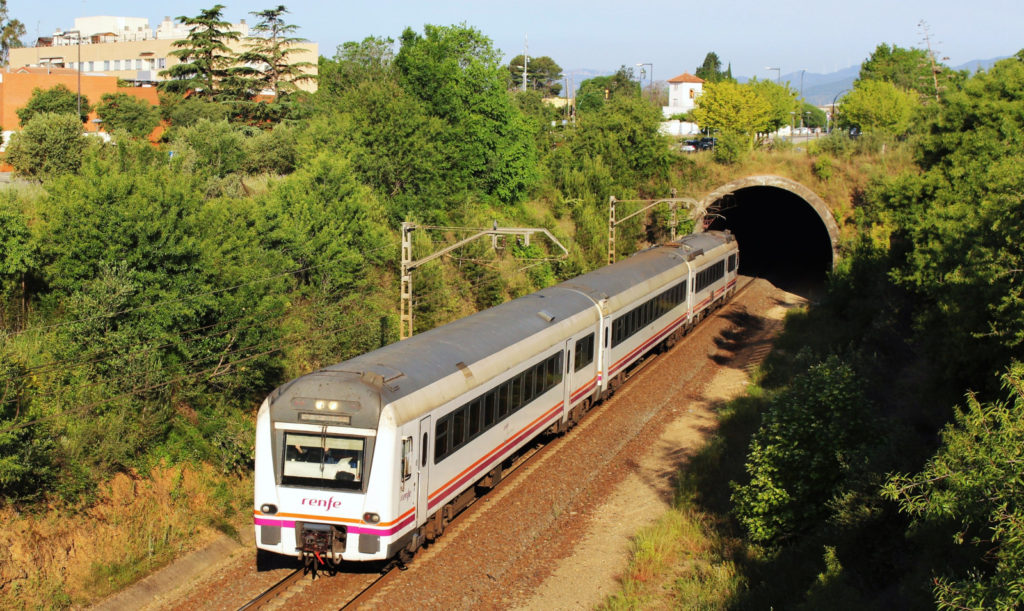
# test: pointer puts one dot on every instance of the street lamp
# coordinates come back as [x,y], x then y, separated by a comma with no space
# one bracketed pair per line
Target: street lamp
[78,35]
[650,74]
[778,74]
[832,115]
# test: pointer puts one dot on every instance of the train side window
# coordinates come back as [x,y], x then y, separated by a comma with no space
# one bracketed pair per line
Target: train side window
[490,410]
[407,458]
[474,418]
[529,380]
[503,400]
[584,351]
[516,389]
[441,439]
[540,378]
[732,262]
[458,418]
[554,372]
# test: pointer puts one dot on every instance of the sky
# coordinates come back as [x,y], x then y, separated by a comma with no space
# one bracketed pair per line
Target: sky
[601,35]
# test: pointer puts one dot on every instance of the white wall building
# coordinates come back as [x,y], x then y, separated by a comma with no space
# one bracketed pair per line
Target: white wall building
[683,91]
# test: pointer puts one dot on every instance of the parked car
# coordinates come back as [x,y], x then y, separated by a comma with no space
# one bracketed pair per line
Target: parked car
[686,147]
[706,144]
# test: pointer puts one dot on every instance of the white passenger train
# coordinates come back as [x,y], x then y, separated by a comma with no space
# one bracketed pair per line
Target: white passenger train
[372,457]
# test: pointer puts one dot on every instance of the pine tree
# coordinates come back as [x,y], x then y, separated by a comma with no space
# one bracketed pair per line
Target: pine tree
[206,59]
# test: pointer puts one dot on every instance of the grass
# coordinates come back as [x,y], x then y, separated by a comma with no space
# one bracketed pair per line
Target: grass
[693,557]
[136,524]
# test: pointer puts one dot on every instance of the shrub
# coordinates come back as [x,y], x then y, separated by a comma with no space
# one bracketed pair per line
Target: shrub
[823,168]
[50,145]
[812,439]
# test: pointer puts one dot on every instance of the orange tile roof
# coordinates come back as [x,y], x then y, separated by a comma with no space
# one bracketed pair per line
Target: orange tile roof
[686,77]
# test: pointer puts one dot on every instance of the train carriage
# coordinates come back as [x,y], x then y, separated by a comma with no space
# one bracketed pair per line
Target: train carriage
[370,458]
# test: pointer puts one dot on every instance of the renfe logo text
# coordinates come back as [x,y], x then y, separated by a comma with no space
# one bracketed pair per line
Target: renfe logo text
[327,504]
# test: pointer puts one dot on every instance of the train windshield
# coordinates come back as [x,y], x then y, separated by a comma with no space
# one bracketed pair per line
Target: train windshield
[324,461]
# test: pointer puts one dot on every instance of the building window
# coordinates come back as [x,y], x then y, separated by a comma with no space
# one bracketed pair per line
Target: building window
[117,64]
[161,63]
[138,64]
[106,64]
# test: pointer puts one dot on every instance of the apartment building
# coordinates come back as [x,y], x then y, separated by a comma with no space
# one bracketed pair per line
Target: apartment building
[127,48]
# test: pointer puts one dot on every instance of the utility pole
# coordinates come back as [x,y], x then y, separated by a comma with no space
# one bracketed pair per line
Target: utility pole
[614,222]
[408,264]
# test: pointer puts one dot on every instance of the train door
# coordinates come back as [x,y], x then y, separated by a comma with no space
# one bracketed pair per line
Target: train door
[606,355]
[567,383]
[422,473]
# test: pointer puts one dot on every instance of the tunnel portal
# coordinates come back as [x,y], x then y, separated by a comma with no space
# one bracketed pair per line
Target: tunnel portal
[786,233]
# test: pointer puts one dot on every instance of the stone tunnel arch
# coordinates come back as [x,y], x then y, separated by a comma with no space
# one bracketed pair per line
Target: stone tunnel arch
[787,233]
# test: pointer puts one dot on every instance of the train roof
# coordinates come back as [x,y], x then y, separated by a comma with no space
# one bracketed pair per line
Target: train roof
[392,372]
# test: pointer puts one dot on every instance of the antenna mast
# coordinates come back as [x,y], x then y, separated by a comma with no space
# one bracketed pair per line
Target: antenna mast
[526,57]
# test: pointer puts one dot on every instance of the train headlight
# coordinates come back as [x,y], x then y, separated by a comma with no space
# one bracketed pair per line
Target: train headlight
[371,518]
[268,509]
[332,405]
[320,404]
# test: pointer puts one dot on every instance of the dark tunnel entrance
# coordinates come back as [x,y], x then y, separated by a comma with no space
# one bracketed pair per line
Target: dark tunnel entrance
[781,237]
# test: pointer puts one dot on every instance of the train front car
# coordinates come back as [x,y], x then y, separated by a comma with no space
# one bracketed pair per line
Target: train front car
[315,443]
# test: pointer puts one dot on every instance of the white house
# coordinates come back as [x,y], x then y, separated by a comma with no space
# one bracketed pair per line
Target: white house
[683,90]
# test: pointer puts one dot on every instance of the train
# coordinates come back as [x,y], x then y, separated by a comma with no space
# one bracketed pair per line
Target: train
[370,459]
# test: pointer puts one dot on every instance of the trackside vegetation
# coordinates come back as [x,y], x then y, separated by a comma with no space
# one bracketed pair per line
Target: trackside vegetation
[877,461]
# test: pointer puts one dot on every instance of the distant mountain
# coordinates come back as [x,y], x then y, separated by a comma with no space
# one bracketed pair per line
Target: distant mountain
[818,89]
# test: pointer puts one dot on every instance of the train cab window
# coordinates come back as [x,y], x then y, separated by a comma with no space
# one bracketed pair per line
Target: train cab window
[328,461]
[732,262]
[584,351]
[407,458]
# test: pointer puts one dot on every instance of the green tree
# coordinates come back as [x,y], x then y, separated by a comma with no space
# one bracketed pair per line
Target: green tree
[781,99]
[182,111]
[211,148]
[960,221]
[11,31]
[711,70]
[396,150]
[542,74]
[594,91]
[812,440]
[206,59]
[356,62]
[270,51]
[877,106]
[456,72]
[974,484]
[327,221]
[812,115]
[57,99]
[908,69]
[18,259]
[122,111]
[733,109]
[50,145]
